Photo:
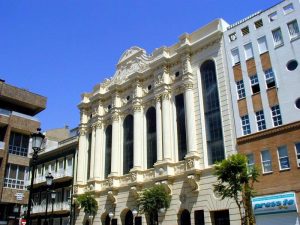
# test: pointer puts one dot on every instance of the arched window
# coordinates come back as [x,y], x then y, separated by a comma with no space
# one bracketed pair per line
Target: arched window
[108,143]
[212,112]
[151,137]
[129,218]
[185,218]
[181,132]
[127,144]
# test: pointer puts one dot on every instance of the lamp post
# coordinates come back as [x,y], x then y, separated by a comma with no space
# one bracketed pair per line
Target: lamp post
[49,181]
[134,214]
[53,195]
[37,141]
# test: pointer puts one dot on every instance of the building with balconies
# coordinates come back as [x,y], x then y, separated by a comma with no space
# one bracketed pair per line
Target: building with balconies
[163,118]
[263,53]
[56,158]
[17,110]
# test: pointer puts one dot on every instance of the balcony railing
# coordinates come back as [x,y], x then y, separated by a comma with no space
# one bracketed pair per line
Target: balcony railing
[55,174]
[2,145]
[5,112]
[57,206]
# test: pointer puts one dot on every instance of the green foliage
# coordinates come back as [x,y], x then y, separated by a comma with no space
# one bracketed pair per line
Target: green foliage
[235,180]
[153,199]
[88,202]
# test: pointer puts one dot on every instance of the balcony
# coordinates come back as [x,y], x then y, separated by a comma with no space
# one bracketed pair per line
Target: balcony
[57,207]
[59,176]
[2,145]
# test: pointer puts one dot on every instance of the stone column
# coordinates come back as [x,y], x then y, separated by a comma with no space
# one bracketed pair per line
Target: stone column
[190,118]
[82,153]
[98,156]
[166,122]
[158,129]
[92,152]
[115,154]
[138,134]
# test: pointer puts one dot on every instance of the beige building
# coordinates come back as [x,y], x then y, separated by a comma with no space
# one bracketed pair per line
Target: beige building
[17,110]
[163,118]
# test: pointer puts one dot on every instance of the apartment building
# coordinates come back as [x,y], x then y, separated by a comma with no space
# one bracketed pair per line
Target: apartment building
[56,159]
[263,52]
[17,110]
[163,118]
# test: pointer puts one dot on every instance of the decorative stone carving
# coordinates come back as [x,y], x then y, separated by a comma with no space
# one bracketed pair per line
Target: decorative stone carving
[82,131]
[133,177]
[193,182]
[133,60]
[188,86]
[91,187]
[111,195]
[166,185]
[166,96]
[110,181]
[135,191]
[190,163]
[115,117]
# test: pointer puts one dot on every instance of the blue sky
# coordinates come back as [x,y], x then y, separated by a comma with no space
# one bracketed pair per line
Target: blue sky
[62,48]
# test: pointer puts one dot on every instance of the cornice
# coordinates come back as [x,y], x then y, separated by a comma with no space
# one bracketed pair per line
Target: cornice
[269,133]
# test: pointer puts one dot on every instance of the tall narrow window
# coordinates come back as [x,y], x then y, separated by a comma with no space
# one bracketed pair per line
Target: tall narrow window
[297,147]
[260,119]
[254,84]
[89,156]
[185,218]
[293,29]
[235,56]
[181,132]
[127,144]
[262,45]
[288,8]
[250,162]
[240,89]
[276,115]
[108,144]
[151,137]
[270,78]
[248,51]
[283,158]
[246,125]
[266,161]
[273,16]
[277,37]
[214,133]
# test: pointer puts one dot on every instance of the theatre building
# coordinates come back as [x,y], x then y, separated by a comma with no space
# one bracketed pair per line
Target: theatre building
[163,118]
[263,52]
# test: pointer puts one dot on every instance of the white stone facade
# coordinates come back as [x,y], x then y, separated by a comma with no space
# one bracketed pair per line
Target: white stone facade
[142,81]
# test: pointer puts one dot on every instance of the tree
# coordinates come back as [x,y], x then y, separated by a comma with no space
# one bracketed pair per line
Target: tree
[235,180]
[152,200]
[88,202]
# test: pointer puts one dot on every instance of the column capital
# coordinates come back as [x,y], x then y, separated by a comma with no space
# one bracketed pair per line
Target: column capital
[82,131]
[166,95]
[188,86]
[115,116]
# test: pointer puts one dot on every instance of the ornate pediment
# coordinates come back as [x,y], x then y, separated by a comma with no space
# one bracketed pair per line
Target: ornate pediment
[133,60]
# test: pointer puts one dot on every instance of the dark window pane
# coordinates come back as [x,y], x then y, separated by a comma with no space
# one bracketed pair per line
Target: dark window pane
[213,120]
[199,217]
[221,217]
[128,144]
[108,144]
[181,132]
[21,173]
[89,155]
[185,218]
[151,137]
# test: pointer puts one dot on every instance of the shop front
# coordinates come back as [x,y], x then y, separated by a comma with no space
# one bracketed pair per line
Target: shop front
[277,209]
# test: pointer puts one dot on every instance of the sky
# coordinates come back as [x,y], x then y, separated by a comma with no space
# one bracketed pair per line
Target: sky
[63,48]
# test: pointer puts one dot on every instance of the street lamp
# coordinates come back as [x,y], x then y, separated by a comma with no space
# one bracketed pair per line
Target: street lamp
[134,214]
[37,141]
[53,195]
[49,181]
